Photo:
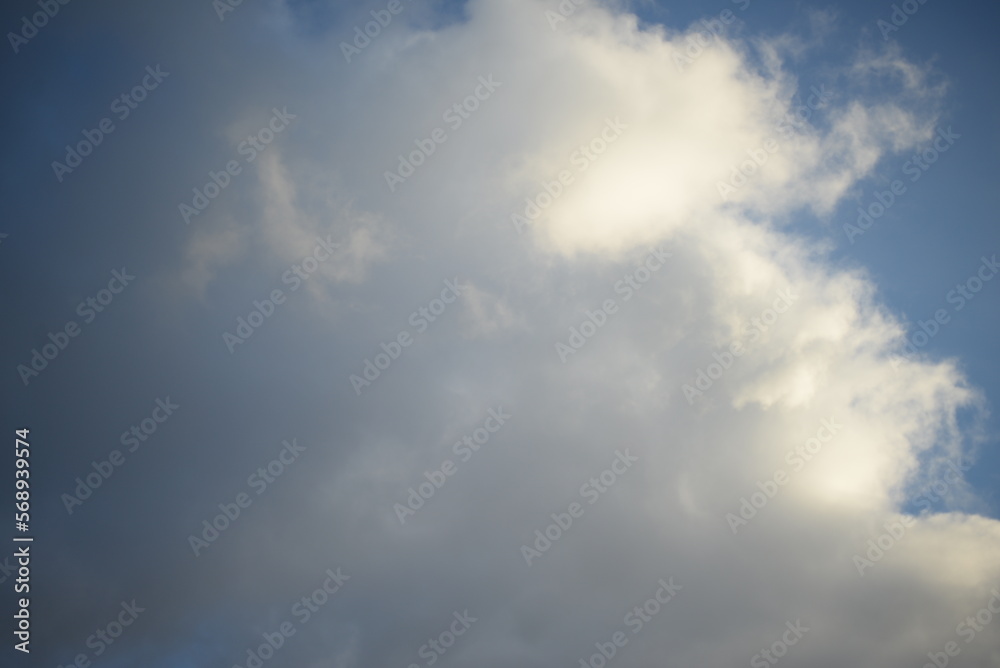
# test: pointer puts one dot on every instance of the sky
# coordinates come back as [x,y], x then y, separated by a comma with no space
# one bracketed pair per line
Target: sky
[501,332]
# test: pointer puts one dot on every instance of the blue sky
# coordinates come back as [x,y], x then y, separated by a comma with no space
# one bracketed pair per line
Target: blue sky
[568,156]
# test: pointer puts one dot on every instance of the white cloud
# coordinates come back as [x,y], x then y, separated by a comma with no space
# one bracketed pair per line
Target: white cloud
[828,356]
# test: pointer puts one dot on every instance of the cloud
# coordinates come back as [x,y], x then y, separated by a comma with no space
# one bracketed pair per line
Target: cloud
[677,134]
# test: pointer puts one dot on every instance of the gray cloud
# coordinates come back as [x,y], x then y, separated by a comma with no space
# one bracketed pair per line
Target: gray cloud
[828,355]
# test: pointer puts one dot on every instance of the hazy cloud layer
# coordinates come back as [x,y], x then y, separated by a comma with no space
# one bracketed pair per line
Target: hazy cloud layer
[726,359]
